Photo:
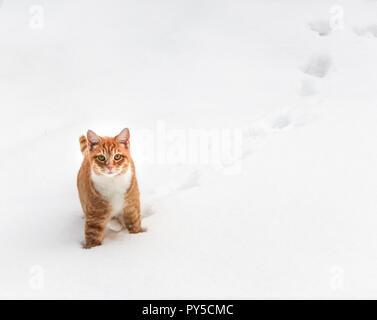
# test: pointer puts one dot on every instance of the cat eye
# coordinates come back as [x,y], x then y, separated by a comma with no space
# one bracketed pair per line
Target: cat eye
[101,157]
[118,156]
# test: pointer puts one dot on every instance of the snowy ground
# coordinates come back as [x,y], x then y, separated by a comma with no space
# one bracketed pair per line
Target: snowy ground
[292,214]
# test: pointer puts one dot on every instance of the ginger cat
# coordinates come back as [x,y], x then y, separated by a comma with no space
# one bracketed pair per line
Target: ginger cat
[107,185]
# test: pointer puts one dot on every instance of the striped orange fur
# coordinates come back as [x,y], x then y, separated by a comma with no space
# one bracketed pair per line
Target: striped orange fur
[83,144]
[107,185]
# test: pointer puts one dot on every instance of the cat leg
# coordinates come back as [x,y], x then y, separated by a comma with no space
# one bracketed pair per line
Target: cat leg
[132,219]
[94,230]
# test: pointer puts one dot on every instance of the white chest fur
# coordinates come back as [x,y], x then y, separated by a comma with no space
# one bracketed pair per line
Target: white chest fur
[113,189]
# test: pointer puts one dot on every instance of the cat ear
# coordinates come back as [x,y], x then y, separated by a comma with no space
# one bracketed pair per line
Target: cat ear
[124,137]
[93,139]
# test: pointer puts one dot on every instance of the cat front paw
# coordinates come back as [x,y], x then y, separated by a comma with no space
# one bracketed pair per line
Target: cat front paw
[135,229]
[92,243]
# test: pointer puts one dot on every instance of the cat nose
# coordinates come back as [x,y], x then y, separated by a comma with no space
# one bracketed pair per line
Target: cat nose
[109,167]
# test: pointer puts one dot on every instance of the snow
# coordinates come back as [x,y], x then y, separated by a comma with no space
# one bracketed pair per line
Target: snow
[292,214]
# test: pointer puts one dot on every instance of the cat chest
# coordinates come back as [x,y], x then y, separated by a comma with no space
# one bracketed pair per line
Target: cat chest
[114,190]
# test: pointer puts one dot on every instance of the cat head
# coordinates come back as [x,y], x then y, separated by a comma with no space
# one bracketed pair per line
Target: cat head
[109,156]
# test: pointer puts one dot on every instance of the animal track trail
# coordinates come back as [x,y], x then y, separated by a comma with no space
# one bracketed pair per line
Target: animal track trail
[193,180]
[154,195]
[370,30]
[307,88]
[281,121]
[256,134]
[321,27]
[318,66]
[314,71]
